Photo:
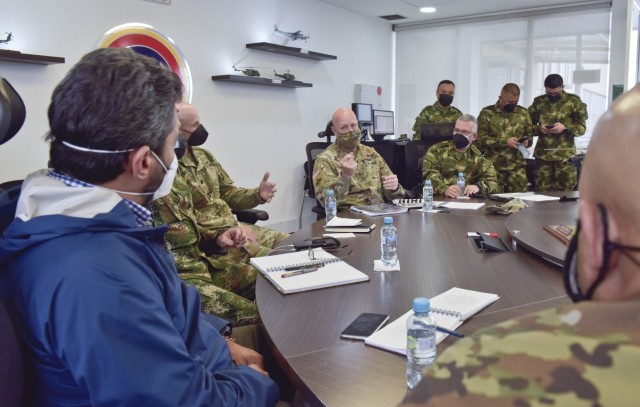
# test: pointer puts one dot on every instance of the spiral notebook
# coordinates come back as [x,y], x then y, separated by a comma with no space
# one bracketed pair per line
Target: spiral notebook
[450,309]
[306,270]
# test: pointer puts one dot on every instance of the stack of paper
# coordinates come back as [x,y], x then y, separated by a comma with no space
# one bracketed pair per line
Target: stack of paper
[345,225]
[449,309]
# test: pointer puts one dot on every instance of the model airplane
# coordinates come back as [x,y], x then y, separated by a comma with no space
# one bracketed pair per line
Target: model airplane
[286,76]
[9,38]
[298,35]
[248,71]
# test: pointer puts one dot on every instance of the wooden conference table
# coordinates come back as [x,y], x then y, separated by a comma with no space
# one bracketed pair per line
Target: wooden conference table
[435,255]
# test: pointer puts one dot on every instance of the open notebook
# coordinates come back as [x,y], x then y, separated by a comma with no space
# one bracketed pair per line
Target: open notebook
[449,309]
[281,271]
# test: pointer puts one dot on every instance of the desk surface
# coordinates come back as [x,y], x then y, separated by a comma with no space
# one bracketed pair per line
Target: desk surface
[435,255]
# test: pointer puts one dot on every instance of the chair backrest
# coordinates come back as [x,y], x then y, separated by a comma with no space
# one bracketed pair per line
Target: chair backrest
[11,362]
[387,151]
[12,111]
[414,152]
[313,149]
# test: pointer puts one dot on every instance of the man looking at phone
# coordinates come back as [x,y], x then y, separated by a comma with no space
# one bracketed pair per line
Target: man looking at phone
[357,174]
[557,118]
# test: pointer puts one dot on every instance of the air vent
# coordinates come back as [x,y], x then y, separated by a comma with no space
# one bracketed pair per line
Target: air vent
[392,17]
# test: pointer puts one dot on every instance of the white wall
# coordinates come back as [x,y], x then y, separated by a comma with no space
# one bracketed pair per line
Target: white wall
[252,128]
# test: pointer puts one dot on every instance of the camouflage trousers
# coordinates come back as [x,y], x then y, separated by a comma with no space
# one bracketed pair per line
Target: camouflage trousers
[512,180]
[555,176]
[227,285]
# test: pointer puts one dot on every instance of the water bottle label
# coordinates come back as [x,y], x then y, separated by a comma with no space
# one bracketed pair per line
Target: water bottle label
[425,344]
[332,206]
[411,342]
[389,239]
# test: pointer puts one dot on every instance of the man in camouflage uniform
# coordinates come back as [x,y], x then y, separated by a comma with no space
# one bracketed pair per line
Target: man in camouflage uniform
[500,128]
[357,174]
[443,161]
[197,211]
[557,118]
[441,111]
[584,354]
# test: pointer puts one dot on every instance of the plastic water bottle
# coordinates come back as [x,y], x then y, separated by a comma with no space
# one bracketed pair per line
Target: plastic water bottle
[427,196]
[330,205]
[421,341]
[389,242]
[460,183]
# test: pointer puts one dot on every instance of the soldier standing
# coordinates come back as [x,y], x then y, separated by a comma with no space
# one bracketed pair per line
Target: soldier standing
[501,127]
[557,117]
[441,111]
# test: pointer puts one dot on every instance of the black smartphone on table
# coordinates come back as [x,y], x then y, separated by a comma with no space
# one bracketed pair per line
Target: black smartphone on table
[364,325]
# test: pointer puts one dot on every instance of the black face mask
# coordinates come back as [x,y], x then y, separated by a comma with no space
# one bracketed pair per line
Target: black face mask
[181,146]
[460,141]
[554,98]
[509,108]
[199,136]
[445,100]
[570,274]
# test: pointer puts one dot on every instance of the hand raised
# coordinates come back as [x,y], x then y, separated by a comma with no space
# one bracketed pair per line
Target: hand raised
[267,188]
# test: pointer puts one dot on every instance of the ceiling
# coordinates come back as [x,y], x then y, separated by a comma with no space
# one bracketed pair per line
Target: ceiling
[445,9]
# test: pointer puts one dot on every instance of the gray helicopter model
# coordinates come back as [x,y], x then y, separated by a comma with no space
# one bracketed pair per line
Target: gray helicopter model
[286,76]
[8,39]
[248,71]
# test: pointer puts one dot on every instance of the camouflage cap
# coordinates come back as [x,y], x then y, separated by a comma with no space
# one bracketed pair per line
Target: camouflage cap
[513,206]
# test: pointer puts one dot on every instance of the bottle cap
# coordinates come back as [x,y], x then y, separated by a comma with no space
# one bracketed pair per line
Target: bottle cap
[388,220]
[428,182]
[461,174]
[329,192]
[421,304]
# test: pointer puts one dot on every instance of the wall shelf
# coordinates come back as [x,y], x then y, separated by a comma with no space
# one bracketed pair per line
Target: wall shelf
[291,51]
[17,56]
[256,80]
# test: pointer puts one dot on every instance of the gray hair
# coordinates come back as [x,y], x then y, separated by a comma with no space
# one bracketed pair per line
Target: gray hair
[470,118]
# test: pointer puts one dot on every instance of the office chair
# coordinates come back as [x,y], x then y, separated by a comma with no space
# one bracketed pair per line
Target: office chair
[414,152]
[312,149]
[12,376]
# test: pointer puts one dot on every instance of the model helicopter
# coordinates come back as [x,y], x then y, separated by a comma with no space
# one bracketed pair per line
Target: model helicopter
[286,76]
[297,35]
[9,38]
[247,71]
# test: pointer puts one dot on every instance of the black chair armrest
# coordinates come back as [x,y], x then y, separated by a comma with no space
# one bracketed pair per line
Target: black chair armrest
[250,215]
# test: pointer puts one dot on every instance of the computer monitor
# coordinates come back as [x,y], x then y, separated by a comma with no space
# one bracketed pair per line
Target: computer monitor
[363,111]
[442,131]
[382,123]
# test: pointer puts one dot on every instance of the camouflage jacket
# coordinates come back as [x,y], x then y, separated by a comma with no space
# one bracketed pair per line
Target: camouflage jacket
[583,354]
[435,113]
[571,112]
[364,187]
[495,127]
[442,163]
[199,207]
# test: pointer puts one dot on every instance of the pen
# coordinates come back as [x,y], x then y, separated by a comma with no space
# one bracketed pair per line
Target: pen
[447,331]
[303,270]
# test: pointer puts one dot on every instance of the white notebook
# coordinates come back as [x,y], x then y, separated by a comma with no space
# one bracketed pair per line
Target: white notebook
[331,271]
[449,309]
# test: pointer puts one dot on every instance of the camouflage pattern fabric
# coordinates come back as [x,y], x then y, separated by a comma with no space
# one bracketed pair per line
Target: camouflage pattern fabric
[435,113]
[495,127]
[442,163]
[584,354]
[196,211]
[553,174]
[364,187]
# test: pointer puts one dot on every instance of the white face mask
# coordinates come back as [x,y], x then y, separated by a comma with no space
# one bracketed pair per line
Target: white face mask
[167,181]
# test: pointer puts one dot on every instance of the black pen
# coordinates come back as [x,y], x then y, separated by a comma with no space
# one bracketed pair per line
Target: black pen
[447,331]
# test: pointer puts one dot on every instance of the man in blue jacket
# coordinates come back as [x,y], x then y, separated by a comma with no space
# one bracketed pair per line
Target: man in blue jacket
[97,300]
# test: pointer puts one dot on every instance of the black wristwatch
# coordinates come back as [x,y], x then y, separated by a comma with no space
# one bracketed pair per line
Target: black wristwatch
[226,331]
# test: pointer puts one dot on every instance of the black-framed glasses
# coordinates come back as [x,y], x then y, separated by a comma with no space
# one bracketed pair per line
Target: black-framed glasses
[571,272]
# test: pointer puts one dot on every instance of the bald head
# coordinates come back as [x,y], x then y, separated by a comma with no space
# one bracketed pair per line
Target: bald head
[612,161]
[188,117]
[343,121]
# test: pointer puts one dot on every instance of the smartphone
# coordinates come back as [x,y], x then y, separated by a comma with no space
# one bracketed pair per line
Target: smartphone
[364,325]
[523,139]
[549,126]
[327,243]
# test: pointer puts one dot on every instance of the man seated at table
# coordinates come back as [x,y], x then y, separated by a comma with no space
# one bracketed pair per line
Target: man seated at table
[443,161]
[197,210]
[357,174]
[103,317]
[580,354]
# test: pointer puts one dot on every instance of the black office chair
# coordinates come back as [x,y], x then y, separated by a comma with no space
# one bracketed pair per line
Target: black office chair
[414,152]
[12,115]
[312,149]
